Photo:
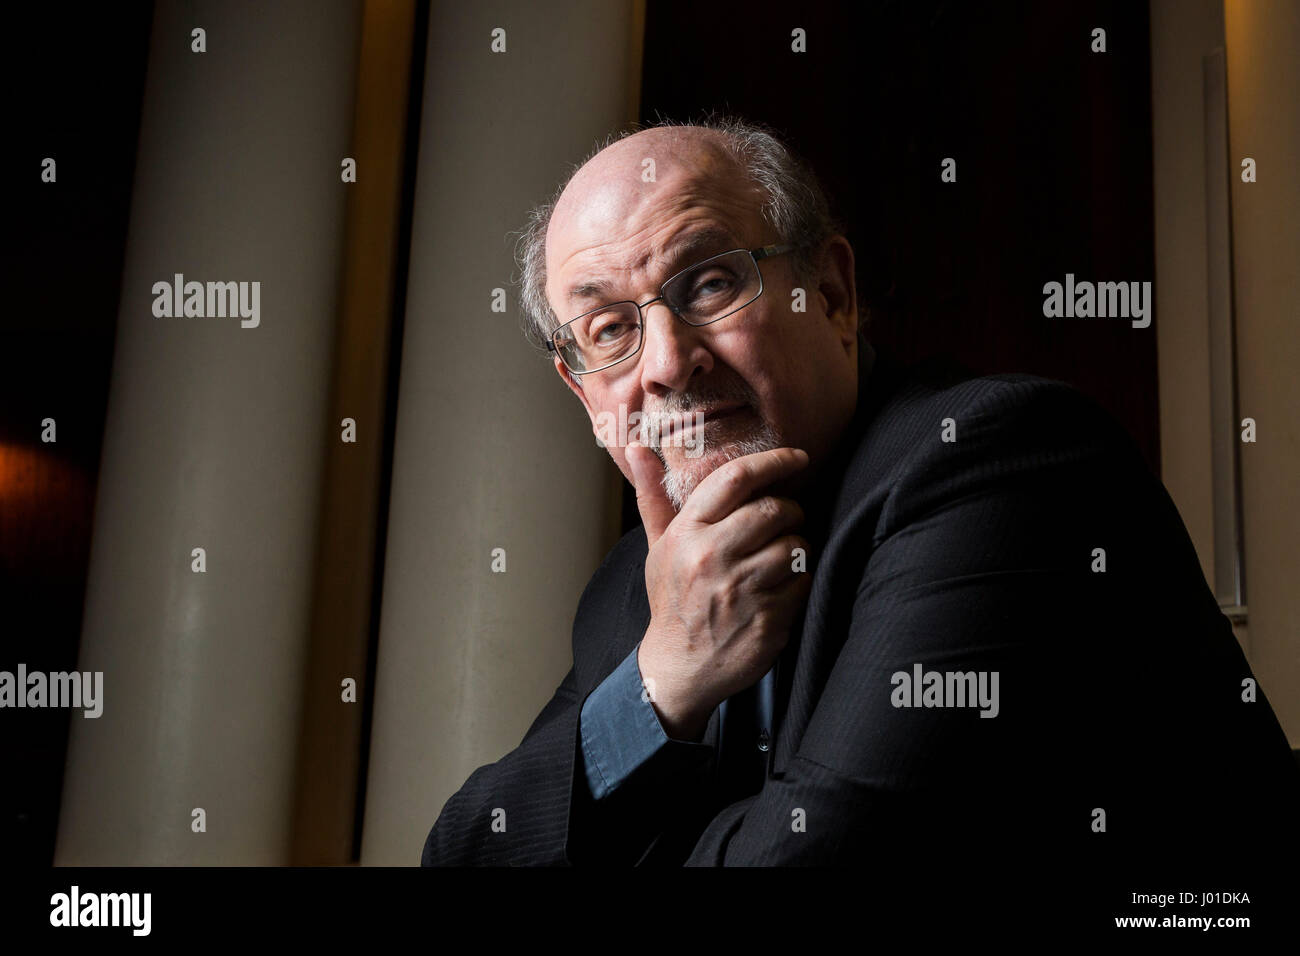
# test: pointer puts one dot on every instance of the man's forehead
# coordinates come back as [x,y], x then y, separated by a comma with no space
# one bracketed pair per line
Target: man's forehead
[618,178]
[618,202]
[687,210]
[694,241]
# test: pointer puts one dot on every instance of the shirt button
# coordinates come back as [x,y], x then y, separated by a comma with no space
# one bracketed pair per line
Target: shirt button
[764,741]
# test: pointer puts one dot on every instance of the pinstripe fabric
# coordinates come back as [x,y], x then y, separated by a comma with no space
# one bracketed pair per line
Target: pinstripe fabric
[1118,690]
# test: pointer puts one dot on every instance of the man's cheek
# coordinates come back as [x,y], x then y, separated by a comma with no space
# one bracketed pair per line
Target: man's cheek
[604,426]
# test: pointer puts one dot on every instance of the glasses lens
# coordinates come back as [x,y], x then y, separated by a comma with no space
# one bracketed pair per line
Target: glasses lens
[714,288]
[601,338]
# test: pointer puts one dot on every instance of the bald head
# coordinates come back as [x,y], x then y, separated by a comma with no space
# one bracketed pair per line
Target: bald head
[616,194]
[606,184]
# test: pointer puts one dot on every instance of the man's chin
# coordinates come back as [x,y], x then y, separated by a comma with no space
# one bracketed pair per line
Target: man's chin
[683,473]
[693,459]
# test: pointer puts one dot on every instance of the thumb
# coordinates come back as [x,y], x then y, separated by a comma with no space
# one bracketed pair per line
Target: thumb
[651,499]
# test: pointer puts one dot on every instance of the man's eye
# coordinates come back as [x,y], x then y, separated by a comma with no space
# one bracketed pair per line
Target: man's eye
[713,285]
[609,330]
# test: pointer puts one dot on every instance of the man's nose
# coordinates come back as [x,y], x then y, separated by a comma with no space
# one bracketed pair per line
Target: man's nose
[674,351]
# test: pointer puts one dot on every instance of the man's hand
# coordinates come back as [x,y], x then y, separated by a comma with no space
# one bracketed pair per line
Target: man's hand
[719,578]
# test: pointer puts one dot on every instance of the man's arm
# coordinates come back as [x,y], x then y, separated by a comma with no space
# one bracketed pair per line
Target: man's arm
[526,794]
[534,807]
[622,736]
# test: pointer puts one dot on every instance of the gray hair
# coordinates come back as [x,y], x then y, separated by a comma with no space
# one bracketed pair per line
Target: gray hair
[796,208]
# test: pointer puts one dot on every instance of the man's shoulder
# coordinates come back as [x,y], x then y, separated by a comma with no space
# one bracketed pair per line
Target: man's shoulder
[628,551]
[934,430]
[919,392]
[620,564]
[940,408]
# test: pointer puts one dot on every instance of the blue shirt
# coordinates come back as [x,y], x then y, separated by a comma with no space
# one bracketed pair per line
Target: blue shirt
[621,732]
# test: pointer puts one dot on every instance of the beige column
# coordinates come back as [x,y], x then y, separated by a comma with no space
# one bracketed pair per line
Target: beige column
[1182,33]
[346,591]
[1263,45]
[491,450]
[214,440]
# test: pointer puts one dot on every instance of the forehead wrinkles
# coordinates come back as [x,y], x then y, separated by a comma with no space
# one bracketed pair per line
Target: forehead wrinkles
[629,248]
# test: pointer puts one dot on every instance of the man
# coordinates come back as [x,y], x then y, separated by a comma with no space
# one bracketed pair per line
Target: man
[867,608]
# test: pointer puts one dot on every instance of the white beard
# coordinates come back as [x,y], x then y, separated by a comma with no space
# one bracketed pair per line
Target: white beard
[681,481]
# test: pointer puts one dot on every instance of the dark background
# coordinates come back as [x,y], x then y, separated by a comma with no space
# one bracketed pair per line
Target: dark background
[75,79]
[1053,176]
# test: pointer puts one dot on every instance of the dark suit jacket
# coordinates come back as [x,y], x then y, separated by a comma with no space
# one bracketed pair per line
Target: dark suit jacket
[1121,722]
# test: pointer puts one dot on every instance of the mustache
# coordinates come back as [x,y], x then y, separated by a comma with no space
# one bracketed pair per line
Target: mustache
[702,397]
[679,405]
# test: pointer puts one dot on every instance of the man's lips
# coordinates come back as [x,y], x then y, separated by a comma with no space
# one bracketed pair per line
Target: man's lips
[686,420]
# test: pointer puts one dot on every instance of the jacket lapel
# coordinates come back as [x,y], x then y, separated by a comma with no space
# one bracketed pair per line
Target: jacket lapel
[854,484]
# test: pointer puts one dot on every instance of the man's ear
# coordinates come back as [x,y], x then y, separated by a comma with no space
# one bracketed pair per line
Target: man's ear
[838,288]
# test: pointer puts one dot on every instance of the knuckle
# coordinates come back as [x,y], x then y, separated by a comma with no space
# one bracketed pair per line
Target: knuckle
[750,581]
[701,560]
[734,475]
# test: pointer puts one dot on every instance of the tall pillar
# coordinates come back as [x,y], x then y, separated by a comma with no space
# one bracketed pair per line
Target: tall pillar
[1182,33]
[214,440]
[1263,46]
[491,450]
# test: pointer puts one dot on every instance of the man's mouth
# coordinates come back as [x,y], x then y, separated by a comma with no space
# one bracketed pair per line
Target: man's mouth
[674,423]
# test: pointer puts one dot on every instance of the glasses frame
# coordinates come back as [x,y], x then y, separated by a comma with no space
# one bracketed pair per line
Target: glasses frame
[762,252]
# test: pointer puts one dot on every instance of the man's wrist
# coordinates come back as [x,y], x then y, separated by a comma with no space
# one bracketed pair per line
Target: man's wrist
[683,724]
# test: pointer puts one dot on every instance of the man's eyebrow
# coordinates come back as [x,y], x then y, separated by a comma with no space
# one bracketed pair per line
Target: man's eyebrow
[678,253]
[700,242]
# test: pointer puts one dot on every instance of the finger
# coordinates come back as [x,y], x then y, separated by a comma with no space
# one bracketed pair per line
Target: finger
[730,485]
[792,593]
[773,566]
[754,524]
[651,500]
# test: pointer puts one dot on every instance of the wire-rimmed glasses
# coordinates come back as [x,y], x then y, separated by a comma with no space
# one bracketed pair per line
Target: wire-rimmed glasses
[698,295]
